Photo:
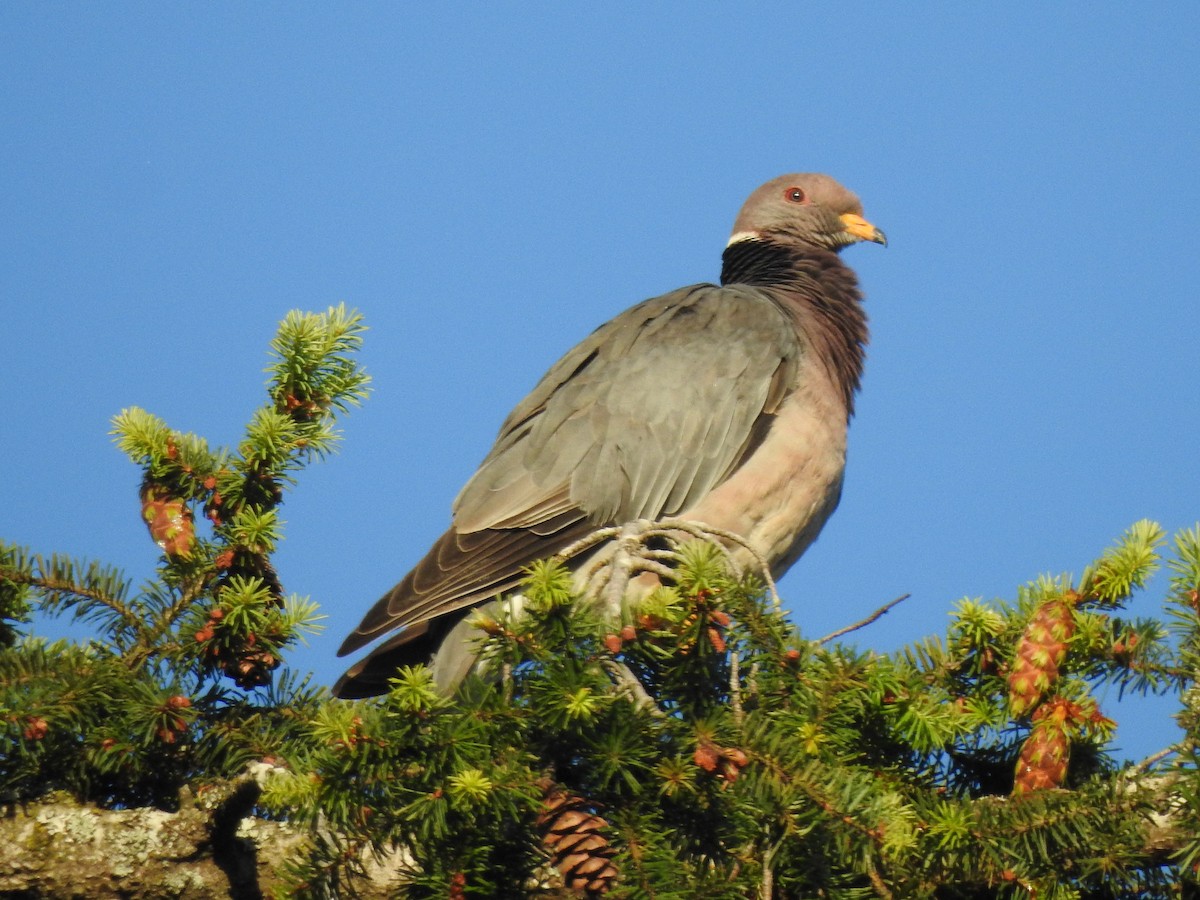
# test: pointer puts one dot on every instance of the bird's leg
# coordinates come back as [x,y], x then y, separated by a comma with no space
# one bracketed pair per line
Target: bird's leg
[628,684]
[628,554]
[629,547]
[596,573]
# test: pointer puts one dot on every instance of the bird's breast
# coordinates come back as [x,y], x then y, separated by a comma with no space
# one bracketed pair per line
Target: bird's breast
[780,497]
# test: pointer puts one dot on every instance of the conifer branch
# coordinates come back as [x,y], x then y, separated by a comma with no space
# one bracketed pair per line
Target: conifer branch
[69,593]
[97,592]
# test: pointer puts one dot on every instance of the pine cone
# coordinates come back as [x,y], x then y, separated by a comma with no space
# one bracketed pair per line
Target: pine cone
[169,519]
[1046,752]
[574,835]
[1040,652]
[1043,761]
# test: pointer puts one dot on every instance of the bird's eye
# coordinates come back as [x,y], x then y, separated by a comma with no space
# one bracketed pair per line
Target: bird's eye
[794,195]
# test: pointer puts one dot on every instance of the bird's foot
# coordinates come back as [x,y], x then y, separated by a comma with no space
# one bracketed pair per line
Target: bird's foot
[631,555]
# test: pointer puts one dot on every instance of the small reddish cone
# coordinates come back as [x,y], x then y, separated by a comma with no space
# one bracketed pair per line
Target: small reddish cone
[1040,652]
[1046,752]
[707,756]
[574,835]
[170,521]
[726,762]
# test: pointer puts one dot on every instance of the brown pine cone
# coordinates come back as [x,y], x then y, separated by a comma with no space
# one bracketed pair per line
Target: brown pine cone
[574,835]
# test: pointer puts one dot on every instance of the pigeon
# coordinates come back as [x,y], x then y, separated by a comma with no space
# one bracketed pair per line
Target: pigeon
[723,404]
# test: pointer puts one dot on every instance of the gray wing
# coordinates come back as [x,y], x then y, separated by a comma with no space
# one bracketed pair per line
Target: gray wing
[641,420]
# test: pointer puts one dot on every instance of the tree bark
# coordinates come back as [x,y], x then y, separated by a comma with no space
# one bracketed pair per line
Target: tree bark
[57,848]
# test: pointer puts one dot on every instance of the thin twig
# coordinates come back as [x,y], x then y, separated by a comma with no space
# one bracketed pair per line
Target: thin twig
[735,687]
[865,622]
[766,890]
[877,882]
[1153,759]
[506,679]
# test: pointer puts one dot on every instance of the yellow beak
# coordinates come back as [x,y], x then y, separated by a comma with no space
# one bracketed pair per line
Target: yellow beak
[862,230]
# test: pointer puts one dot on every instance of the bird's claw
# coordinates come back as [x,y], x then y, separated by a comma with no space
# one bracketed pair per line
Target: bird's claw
[628,554]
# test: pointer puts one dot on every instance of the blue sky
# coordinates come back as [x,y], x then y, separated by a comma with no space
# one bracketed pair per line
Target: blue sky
[487,183]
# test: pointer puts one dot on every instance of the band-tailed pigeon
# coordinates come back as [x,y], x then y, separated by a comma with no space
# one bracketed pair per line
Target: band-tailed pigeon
[726,405]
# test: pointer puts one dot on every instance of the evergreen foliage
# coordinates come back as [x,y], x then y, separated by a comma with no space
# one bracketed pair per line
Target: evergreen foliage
[699,745]
[730,757]
[165,694]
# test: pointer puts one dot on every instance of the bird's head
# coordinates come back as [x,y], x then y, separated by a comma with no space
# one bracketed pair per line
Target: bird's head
[806,209]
